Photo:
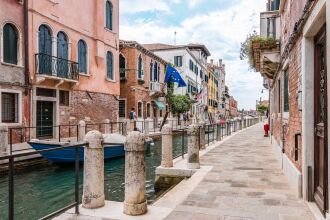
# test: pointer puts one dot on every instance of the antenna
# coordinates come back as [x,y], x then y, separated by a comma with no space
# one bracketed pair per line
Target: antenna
[175,37]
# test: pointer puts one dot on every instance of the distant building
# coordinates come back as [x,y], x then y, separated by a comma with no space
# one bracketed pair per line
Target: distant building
[190,60]
[142,84]
[233,107]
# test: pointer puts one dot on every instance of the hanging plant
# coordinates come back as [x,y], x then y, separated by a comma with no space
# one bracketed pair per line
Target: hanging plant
[255,43]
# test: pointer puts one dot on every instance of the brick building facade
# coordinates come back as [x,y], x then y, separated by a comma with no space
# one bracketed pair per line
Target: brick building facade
[296,68]
[142,82]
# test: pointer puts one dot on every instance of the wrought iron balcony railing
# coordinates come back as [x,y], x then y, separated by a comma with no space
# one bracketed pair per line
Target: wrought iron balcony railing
[155,86]
[54,66]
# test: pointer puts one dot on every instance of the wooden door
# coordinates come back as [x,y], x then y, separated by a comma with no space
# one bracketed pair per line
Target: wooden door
[320,108]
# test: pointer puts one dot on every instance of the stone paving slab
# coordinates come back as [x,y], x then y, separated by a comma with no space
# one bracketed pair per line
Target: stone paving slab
[245,183]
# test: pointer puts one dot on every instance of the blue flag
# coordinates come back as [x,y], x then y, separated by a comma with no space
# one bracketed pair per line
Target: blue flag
[173,76]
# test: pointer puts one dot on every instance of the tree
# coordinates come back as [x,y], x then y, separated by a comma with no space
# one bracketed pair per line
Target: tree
[180,104]
[262,108]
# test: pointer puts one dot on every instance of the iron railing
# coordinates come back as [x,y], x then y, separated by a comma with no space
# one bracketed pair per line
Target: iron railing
[11,159]
[54,66]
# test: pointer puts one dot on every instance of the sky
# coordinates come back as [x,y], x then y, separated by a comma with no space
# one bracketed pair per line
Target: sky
[219,24]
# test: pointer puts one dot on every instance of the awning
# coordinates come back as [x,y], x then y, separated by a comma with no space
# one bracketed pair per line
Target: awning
[160,105]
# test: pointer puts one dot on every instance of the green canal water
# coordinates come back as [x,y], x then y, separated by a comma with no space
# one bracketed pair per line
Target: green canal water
[41,191]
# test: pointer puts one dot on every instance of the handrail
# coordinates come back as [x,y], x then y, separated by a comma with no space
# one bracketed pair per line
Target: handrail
[11,188]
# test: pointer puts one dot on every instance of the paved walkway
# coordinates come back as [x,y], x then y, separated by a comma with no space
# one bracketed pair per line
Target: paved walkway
[246,183]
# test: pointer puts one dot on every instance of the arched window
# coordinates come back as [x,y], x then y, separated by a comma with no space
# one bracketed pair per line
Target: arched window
[45,51]
[62,54]
[148,110]
[140,109]
[110,66]
[10,42]
[140,68]
[109,15]
[122,66]
[82,56]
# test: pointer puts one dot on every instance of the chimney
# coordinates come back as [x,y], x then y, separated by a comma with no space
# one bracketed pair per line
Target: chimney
[220,62]
[212,61]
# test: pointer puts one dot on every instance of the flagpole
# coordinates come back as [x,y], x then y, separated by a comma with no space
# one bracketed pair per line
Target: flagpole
[167,111]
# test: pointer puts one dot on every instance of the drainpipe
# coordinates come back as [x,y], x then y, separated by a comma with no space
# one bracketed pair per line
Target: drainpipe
[26,48]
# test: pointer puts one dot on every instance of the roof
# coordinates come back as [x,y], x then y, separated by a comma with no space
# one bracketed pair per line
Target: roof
[159,46]
[201,47]
[134,44]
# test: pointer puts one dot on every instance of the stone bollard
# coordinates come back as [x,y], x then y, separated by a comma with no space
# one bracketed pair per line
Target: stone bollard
[219,132]
[4,139]
[107,126]
[167,146]
[146,126]
[135,174]
[93,191]
[202,136]
[81,130]
[124,131]
[193,147]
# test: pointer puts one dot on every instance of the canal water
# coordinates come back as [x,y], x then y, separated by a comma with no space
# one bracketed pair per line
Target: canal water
[41,191]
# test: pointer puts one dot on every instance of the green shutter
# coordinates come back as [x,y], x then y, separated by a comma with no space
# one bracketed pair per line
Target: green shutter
[10,41]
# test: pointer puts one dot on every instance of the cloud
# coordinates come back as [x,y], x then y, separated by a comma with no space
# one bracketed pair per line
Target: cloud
[135,6]
[221,29]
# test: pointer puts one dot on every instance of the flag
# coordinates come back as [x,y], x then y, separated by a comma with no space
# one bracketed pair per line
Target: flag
[173,76]
[199,95]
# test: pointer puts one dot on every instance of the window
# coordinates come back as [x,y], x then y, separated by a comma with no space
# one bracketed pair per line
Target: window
[178,61]
[82,56]
[109,16]
[140,109]
[160,113]
[156,72]
[10,42]
[278,97]
[9,107]
[148,110]
[140,67]
[62,54]
[122,66]
[46,92]
[151,71]
[110,74]
[201,74]
[45,60]
[122,108]
[196,70]
[64,98]
[191,65]
[286,91]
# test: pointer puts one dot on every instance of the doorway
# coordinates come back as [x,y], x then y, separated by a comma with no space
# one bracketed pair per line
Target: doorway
[45,119]
[320,122]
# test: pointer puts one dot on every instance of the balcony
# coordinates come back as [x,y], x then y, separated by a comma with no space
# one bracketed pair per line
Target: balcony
[155,87]
[266,52]
[54,68]
[270,25]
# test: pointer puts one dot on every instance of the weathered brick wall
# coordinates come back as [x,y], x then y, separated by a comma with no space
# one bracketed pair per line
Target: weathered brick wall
[93,108]
[290,123]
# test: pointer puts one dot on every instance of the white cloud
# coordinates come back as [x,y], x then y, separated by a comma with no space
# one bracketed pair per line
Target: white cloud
[134,6]
[221,31]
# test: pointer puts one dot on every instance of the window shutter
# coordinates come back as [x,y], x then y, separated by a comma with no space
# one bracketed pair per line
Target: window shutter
[110,66]
[10,40]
